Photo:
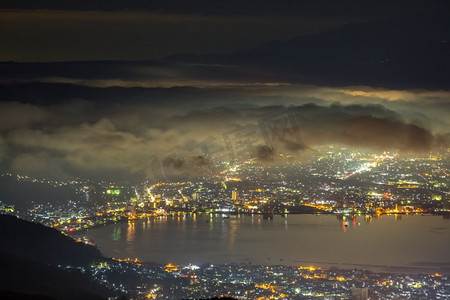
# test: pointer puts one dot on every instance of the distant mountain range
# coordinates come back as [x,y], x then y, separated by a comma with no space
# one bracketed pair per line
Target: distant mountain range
[29,257]
[408,53]
[412,52]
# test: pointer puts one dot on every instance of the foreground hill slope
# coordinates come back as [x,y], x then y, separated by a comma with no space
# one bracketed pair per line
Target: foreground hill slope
[43,244]
[29,258]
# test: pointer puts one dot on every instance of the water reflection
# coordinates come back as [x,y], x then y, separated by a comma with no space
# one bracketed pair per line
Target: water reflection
[131,230]
[343,222]
[117,234]
[323,238]
[233,230]
[347,222]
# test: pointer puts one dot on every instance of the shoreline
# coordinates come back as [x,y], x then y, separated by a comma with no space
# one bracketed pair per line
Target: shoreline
[265,217]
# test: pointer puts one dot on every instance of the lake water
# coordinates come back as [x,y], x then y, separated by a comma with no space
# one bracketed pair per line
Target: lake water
[409,243]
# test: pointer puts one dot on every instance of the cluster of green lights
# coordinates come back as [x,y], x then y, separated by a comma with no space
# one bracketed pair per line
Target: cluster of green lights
[436,197]
[101,265]
[115,192]
[7,209]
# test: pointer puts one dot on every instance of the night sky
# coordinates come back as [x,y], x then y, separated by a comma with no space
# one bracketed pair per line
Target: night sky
[101,89]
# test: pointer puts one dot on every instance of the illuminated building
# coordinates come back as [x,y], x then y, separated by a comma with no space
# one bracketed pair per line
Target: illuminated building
[196,196]
[234,195]
[132,210]
[360,293]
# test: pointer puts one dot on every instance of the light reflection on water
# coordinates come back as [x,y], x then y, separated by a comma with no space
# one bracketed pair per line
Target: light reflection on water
[327,240]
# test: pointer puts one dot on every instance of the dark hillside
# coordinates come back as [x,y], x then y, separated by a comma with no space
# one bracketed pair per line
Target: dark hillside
[42,244]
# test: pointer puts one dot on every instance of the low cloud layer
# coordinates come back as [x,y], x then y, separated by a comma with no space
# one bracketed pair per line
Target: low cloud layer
[172,132]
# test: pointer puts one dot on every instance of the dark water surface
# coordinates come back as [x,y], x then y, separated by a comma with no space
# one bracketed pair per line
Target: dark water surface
[392,243]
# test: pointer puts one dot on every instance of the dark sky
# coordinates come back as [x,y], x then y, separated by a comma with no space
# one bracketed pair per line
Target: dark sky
[362,74]
[46,30]
[67,35]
